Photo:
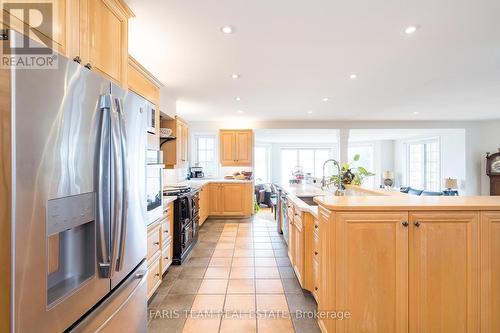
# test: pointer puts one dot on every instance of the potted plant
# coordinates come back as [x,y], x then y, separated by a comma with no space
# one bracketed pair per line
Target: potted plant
[350,174]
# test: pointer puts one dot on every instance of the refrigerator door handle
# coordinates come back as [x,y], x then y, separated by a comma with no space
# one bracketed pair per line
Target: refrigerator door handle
[124,178]
[117,186]
[103,167]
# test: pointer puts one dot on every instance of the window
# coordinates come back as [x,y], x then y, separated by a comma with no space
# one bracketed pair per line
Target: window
[205,154]
[262,164]
[366,160]
[310,160]
[423,167]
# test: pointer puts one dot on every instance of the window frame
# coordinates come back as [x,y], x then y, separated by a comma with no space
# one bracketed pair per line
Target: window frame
[268,161]
[370,182]
[213,136]
[331,152]
[425,142]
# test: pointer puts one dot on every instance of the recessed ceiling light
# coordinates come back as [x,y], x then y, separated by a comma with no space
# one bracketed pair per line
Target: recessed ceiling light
[227,29]
[325,99]
[353,76]
[240,111]
[235,76]
[238,99]
[309,112]
[410,30]
[416,113]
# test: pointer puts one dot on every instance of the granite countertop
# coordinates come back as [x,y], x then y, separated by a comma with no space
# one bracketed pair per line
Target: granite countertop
[199,182]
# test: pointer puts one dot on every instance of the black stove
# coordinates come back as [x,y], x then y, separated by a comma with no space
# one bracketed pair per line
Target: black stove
[186,220]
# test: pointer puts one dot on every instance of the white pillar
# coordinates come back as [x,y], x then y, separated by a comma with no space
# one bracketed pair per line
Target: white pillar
[343,145]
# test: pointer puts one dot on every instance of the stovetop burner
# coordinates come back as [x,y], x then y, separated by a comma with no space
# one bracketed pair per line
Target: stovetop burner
[176,190]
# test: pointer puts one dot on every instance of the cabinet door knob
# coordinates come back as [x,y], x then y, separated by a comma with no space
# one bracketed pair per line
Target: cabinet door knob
[315,253]
[417,224]
[156,243]
[316,288]
[88,66]
[315,226]
[404,223]
[77,59]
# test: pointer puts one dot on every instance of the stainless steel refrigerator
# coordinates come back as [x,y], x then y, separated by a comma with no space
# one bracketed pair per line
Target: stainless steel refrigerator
[79,202]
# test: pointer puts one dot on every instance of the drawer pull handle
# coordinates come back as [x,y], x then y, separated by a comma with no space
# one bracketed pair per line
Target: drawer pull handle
[156,243]
[404,223]
[166,231]
[166,258]
[315,253]
[157,274]
[417,224]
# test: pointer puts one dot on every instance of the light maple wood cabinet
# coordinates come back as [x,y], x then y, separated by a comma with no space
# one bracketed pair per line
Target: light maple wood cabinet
[93,31]
[236,147]
[231,199]
[444,272]
[159,248]
[204,203]
[298,247]
[371,280]
[490,272]
[404,271]
[59,35]
[176,152]
[104,39]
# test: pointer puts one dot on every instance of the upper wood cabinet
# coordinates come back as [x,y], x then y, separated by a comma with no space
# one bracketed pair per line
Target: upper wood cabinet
[236,147]
[95,31]
[105,43]
[444,272]
[176,152]
[58,34]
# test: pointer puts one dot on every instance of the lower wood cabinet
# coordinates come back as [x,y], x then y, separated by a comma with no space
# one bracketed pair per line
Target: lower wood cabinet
[204,203]
[231,199]
[444,272]
[371,279]
[435,271]
[490,272]
[159,249]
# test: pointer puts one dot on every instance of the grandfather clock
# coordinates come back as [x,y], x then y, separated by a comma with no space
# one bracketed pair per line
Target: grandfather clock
[493,170]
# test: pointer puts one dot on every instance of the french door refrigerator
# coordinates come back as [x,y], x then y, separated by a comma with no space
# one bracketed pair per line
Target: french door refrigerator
[79,236]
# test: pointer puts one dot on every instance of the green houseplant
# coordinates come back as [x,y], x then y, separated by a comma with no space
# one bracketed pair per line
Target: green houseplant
[351,174]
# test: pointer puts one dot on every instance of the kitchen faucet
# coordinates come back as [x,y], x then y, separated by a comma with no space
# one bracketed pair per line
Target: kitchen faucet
[340,191]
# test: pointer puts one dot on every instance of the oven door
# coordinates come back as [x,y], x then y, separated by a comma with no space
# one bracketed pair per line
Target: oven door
[154,191]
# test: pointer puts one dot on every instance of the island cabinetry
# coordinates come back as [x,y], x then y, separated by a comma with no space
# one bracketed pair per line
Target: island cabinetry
[444,272]
[409,271]
[490,272]
[371,279]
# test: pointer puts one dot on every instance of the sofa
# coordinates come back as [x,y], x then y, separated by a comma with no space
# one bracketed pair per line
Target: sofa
[414,191]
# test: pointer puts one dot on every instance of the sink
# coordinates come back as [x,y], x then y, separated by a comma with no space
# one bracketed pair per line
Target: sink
[308,200]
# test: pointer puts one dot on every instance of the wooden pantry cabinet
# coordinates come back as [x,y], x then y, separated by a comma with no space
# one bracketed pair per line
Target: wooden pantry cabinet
[176,152]
[405,271]
[236,147]
[231,199]
[93,32]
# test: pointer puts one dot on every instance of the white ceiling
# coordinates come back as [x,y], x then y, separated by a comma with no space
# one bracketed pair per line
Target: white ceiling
[367,135]
[296,136]
[292,53]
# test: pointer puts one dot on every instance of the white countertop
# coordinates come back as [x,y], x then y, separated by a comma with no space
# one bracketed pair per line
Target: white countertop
[293,191]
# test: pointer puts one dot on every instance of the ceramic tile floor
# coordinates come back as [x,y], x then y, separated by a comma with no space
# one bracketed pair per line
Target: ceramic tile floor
[238,279]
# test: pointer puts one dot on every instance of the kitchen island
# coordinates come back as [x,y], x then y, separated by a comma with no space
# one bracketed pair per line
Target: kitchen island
[403,263]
